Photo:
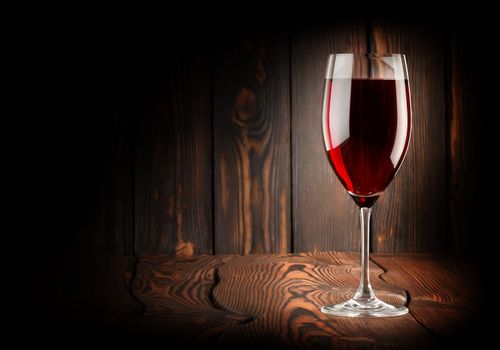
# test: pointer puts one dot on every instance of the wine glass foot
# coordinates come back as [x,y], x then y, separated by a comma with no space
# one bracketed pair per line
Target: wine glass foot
[372,308]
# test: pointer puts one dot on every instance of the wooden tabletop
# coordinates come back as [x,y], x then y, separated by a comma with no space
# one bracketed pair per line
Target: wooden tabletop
[275,299]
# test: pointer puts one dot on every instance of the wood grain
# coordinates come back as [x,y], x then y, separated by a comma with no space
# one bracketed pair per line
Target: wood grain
[445,300]
[465,141]
[224,141]
[410,216]
[252,143]
[177,296]
[173,153]
[324,216]
[275,299]
[272,299]
[285,293]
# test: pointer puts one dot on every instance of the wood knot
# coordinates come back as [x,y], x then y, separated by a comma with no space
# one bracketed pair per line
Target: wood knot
[245,106]
[184,249]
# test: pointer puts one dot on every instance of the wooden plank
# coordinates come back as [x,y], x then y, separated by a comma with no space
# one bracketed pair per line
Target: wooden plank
[264,298]
[445,293]
[177,296]
[410,216]
[173,159]
[465,140]
[252,143]
[324,216]
[270,299]
[449,281]
[284,294]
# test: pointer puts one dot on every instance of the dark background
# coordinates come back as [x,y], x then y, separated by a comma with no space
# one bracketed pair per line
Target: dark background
[200,138]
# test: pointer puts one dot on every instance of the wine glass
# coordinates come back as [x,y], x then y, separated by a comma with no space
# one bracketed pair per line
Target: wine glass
[366,127]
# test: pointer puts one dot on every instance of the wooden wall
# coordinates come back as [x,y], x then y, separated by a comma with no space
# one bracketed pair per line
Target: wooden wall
[215,146]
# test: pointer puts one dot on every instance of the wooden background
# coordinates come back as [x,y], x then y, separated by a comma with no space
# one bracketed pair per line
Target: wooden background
[211,143]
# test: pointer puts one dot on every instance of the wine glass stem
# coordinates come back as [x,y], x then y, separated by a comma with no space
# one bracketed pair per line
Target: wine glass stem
[365,293]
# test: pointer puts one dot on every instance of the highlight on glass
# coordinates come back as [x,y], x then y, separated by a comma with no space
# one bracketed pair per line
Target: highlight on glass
[366,129]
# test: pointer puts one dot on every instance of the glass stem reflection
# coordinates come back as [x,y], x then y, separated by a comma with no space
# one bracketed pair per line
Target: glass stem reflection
[365,293]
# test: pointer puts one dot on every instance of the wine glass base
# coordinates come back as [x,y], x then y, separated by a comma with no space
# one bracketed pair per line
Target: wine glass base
[372,308]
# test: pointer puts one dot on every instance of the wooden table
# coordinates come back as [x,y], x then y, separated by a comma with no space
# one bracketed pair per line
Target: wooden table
[275,299]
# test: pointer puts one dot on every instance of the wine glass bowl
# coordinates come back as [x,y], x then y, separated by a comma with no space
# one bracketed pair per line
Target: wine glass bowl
[366,130]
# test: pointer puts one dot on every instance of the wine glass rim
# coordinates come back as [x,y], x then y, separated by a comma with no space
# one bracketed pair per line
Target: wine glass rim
[368,54]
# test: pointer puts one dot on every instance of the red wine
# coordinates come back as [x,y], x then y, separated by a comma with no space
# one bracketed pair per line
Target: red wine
[367,131]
